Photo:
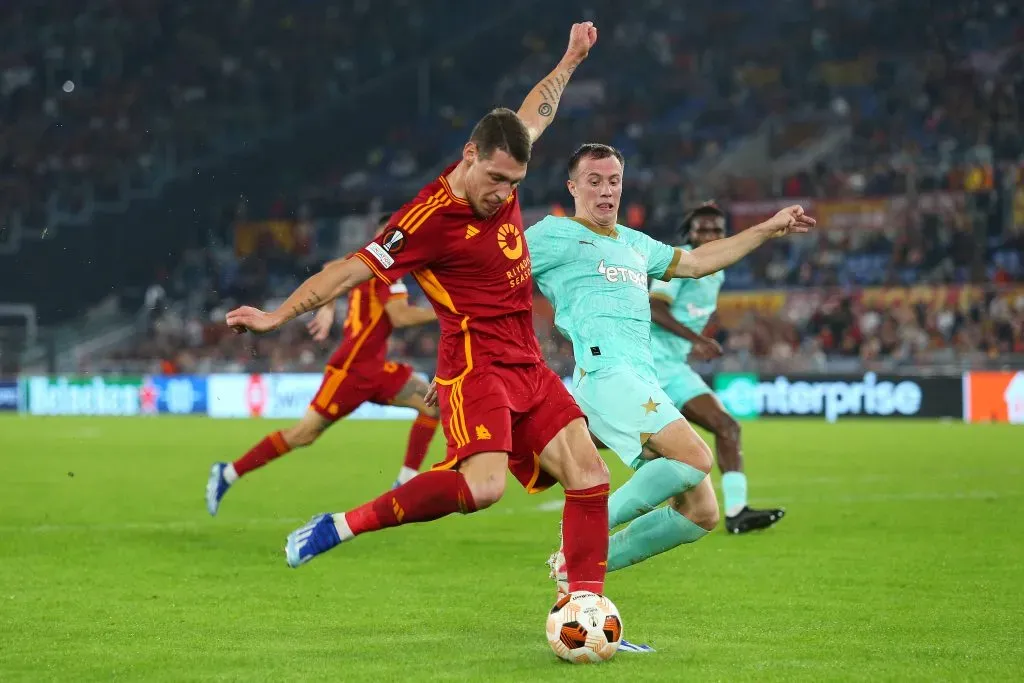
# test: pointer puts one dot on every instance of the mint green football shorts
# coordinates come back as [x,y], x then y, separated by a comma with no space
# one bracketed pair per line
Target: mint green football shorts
[623,408]
[681,383]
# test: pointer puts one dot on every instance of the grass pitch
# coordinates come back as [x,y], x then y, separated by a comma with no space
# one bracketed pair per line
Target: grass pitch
[901,558]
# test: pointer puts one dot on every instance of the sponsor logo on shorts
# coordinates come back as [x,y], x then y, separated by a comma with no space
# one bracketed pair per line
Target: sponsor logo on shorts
[378,252]
[616,274]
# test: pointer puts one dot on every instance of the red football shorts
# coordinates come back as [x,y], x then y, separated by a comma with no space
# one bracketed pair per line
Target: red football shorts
[342,392]
[513,408]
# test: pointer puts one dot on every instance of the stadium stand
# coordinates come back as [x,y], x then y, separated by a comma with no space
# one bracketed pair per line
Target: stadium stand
[177,158]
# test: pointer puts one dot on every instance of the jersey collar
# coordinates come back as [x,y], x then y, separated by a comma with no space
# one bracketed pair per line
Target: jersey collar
[593,227]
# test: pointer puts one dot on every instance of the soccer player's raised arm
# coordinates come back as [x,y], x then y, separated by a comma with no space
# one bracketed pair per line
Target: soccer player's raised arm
[538,109]
[333,281]
[714,256]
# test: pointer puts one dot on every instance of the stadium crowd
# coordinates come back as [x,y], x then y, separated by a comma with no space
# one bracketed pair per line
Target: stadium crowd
[790,329]
[123,89]
[925,107]
[98,94]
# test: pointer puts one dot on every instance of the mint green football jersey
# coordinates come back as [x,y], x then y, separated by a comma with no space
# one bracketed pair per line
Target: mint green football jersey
[692,302]
[598,286]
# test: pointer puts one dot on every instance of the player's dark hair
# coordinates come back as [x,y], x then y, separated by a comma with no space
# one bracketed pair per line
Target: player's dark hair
[593,150]
[383,219]
[708,208]
[502,129]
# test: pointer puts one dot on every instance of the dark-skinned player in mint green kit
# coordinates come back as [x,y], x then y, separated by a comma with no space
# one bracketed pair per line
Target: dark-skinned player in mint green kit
[680,310]
[595,273]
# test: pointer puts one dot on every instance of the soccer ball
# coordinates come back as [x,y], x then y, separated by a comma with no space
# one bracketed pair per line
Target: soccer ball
[584,627]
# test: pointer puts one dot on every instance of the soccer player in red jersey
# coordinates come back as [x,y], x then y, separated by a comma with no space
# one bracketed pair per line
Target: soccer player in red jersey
[358,371]
[501,406]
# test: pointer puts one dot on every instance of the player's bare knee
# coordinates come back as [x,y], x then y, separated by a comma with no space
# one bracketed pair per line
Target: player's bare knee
[431,412]
[701,453]
[588,469]
[706,515]
[307,430]
[485,477]
[301,435]
[486,490]
[693,451]
[572,458]
[677,441]
[585,467]
[701,511]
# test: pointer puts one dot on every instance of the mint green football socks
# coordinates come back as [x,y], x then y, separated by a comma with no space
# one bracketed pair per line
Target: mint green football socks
[650,486]
[649,535]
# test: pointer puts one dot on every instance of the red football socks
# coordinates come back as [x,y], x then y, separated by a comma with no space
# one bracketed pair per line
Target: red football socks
[419,440]
[585,538]
[274,446]
[431,495]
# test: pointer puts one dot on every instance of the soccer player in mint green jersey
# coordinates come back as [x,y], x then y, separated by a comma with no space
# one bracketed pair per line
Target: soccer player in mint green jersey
[680,310]
[595,274]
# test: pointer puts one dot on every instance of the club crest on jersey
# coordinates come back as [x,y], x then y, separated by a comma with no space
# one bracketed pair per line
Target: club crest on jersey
[510,241]
[394,241]
[622,274]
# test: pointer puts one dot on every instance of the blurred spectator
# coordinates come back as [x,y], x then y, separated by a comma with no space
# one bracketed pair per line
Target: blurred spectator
[924,186]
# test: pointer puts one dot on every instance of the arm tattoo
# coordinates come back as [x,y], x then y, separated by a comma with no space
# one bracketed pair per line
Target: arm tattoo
[547,93]
[311,302]
[551,90]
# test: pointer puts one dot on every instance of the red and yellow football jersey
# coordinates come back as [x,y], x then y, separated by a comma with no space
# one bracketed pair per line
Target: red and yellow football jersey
[475,272]
[367,326]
